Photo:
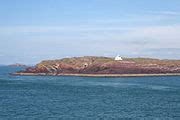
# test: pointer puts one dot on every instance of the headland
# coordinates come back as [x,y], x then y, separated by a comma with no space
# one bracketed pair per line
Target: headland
[92,66]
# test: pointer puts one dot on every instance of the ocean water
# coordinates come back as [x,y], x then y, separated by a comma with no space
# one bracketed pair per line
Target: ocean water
[81,98]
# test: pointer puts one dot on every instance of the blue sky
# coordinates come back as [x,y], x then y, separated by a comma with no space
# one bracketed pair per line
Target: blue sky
[34,30]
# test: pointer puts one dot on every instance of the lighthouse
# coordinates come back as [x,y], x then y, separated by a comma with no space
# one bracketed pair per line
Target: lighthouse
[118,58]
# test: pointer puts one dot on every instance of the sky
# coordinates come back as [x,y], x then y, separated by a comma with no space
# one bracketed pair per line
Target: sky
[35,30]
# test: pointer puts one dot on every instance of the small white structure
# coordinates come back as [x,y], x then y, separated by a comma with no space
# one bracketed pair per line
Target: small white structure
[85,65]
[118,58]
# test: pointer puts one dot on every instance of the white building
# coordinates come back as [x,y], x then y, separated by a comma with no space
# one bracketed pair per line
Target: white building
[118,58]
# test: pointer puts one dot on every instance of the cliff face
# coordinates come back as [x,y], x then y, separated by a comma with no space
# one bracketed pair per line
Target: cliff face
[105,65]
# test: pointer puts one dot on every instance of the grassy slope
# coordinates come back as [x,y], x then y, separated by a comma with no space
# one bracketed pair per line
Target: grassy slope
[93,59]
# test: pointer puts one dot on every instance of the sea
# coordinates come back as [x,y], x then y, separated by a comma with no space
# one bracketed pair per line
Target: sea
[88,98]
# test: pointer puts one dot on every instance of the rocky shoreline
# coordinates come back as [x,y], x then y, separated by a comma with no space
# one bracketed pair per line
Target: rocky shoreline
[96,75]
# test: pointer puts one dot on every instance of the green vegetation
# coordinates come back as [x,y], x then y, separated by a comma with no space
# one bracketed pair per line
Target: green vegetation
[78,61]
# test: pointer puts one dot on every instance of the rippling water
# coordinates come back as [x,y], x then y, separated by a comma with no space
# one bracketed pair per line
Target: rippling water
[50,97]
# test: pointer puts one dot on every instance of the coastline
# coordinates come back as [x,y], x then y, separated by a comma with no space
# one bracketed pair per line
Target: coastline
[96,75]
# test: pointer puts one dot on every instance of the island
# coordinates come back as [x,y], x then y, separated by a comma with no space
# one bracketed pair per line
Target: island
[104,67]
[17,65]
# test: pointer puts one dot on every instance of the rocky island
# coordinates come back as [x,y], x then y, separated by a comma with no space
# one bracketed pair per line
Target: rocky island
[104,66]
[17,65]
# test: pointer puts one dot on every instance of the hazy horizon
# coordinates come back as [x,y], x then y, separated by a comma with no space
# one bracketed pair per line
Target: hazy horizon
[31,31]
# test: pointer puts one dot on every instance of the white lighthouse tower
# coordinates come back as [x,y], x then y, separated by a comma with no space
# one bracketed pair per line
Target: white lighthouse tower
[118,58]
